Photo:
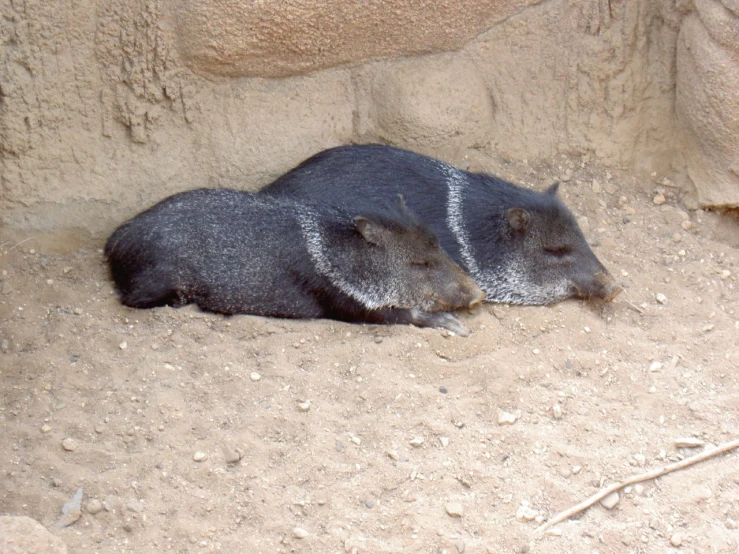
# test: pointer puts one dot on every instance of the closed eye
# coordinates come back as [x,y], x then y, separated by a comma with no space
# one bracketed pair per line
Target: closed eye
[557,250]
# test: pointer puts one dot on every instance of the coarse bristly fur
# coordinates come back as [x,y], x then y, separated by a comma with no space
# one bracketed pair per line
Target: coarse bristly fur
[234,252]
[520,246]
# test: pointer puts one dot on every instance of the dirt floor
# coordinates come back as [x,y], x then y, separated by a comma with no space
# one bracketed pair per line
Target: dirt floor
[361,438]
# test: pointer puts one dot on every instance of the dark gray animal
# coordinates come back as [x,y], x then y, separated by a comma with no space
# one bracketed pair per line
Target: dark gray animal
[233,252]
[520,246]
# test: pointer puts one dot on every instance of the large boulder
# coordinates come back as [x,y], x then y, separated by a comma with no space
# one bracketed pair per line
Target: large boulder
[276,39]
[434,104]
[23,535]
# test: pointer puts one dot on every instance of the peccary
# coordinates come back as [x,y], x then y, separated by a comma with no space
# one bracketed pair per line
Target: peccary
[520,246]
[233,252]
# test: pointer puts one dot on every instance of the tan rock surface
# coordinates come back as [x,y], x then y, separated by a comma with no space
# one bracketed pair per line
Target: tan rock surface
[23,535]
[431,104]
[276,39]
[707,104]
[102,115]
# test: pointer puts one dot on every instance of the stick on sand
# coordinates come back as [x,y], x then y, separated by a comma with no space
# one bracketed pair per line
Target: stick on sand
[585,504]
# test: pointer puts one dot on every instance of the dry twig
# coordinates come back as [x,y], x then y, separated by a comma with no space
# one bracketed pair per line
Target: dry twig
[585,504]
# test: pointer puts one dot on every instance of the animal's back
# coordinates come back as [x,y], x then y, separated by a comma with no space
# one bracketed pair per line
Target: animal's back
[228,251]
[358,177]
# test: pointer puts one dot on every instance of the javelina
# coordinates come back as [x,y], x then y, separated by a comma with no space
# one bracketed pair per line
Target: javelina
[520,246]
[233,252]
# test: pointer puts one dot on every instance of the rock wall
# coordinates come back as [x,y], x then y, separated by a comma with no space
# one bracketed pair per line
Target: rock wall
[708,100]
[107,106]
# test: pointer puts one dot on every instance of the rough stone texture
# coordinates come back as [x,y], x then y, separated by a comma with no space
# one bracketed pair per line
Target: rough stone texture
[707,100]
[100,118]
[276,39]
[100,114]
[23,535]
[601,72]
[432,104]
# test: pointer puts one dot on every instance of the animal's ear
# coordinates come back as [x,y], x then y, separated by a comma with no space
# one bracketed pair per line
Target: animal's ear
[373,232]
[552,190]
[518,218]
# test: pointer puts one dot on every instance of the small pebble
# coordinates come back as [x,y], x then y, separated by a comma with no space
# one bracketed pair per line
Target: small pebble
[655,366]
[659,199]
[688,443]
[641,459]
[731,524]
[661,298]
[676,539]
[78,311]
[7,289]
[455,509]
[506,418]
[610,501]
[393,455]
[69,444]
[369,504]
[199,456]
[576,470]
[304,406]
[677,237]
[299,533]
[255,376]
[356,440]
[378,340]
[45,428]
[4,345]
[230,455]
[123,345]
[71,511]
[444,441]
[526,513]
[565,472]
[94,506]
[687,225]
[416,442]
[557,411]
[443,389]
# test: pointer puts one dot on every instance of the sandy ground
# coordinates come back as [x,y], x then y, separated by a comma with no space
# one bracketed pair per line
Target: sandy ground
[361,436]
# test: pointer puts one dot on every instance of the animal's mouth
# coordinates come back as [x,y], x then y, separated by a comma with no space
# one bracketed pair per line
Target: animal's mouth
[479,299]
[607,295]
